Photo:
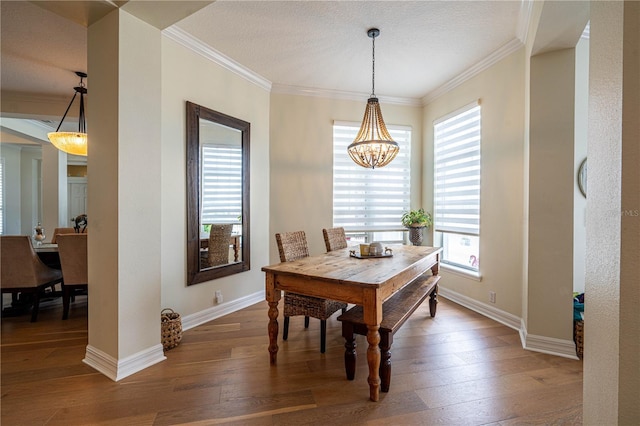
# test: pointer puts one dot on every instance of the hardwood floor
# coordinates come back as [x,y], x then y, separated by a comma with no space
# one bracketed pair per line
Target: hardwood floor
[458,368]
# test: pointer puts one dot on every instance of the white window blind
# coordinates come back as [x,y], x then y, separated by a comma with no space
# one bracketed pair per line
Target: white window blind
[366,199]
[221,184]
[1,196]
[457,172]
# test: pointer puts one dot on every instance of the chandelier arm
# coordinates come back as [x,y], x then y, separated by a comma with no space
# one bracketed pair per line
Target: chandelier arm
[65,113]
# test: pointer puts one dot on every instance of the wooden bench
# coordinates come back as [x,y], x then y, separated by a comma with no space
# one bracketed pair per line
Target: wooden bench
[395,311]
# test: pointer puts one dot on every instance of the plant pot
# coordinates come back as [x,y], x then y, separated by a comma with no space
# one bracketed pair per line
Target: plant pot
[416,235]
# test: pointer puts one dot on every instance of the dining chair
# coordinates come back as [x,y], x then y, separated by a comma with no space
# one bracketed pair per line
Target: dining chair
[219,238]
[293,246]
[23,272]
[334,238]
[72,249]
[60,231]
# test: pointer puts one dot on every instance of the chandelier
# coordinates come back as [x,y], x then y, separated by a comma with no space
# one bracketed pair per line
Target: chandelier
[73,142]
[373,146]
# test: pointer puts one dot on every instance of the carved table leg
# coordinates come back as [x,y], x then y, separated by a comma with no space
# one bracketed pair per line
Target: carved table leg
[273,332]
[433,301]
[273,297]
[373,359]
[385,361]
[350,350]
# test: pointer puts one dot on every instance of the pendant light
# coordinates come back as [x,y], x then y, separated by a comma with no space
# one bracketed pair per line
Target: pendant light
[73,142]
[373,146]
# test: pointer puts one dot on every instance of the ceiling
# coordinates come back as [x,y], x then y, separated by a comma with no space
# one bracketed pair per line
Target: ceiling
[296,46]
[299,44]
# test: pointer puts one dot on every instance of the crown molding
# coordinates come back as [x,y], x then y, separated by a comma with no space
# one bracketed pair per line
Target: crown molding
[343,95]
[522,30]
[474,70]
[190,42]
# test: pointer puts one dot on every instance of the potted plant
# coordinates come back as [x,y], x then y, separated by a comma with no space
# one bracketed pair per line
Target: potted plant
[416,221]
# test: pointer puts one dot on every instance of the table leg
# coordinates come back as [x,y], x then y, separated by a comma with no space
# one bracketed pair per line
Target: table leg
[373,359]
[273,297]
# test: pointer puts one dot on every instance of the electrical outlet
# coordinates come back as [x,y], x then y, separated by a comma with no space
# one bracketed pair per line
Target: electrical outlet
[492,296]
[218,297]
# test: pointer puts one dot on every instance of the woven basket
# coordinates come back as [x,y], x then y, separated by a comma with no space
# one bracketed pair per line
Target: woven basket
[171,328]
[579,337]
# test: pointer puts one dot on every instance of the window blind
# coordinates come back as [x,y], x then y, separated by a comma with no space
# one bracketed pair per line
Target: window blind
[366,199]
[221,200]
[1,196]
[457,172]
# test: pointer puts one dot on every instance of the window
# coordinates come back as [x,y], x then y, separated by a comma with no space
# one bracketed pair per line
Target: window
[457,186]
[369,203]
[221,184]
[1,196]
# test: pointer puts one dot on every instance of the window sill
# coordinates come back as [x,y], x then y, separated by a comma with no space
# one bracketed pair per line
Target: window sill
[476,276]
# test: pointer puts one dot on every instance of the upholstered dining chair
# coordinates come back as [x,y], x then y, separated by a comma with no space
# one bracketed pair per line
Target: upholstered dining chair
[72,249]
[60,231]
[334,238]
[23,271]
[219,237]
[293,246]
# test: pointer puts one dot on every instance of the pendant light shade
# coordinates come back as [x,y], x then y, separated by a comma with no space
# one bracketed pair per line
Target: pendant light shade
[373,146]
[73,142]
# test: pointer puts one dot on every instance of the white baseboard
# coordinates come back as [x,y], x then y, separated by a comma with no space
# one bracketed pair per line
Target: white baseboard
[193,320]
[547,345]
[488,311]
[116,369]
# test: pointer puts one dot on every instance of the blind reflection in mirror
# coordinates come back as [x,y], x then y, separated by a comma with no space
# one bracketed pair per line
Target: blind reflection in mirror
[220,194]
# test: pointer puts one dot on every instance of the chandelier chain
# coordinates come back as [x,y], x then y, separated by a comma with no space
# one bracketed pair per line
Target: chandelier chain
[373,67]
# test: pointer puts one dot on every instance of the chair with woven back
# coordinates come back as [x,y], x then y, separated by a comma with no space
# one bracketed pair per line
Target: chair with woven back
[219,237]
[334,238]
[293,246]
[72,249]
[22,271]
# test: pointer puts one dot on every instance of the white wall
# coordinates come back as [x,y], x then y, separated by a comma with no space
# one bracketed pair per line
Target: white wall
[301,159]
[187,76]
[11,187]
[501,92]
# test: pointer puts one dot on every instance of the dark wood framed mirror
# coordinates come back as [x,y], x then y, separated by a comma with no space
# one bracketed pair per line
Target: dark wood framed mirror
[218,242]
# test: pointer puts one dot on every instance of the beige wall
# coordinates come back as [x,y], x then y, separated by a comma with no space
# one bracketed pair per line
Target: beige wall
[612,322]
[301,159]
[187,76]
[551,194]
[501,93]
[124,268]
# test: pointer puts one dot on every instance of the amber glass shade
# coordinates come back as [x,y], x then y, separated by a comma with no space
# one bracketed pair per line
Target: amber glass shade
[373,146]
[70,142]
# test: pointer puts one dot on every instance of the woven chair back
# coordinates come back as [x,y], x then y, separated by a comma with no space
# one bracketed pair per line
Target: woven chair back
[219,237]
[334,238]
[292,245]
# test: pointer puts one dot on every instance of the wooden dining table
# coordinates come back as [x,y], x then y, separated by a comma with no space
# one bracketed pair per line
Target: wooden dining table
[339,276]
[49,255]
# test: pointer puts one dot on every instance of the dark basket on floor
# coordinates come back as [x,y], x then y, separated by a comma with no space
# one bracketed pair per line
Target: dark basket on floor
[171,324]
[578,335]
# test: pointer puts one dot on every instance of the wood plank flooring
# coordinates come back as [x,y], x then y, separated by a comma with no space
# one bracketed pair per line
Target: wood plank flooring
[458,368]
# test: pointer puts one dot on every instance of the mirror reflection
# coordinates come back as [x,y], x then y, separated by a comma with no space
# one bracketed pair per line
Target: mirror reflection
[217,204]
[220,194]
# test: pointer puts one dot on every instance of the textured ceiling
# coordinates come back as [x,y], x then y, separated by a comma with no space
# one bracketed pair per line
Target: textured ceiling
[302,44]
[324,44]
